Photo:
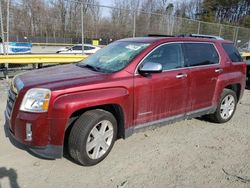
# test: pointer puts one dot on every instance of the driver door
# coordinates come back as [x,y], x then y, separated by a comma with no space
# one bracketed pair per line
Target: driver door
[165,94]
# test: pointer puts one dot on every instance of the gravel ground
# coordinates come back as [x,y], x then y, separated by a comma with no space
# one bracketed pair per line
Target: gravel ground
[192,153]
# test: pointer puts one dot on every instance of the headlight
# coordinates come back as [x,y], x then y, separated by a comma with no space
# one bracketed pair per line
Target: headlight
[36,100]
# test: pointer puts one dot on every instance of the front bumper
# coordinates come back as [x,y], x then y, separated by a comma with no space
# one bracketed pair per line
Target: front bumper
[48,152]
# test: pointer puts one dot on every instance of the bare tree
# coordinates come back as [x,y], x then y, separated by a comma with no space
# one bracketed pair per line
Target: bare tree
[60,20]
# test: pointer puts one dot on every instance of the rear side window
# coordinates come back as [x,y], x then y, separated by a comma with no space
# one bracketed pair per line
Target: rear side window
[232,52]
[86,48]
[89,48]
[77,48]
[198,54]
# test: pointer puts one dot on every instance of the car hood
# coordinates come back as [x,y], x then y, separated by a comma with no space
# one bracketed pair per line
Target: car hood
[58,77]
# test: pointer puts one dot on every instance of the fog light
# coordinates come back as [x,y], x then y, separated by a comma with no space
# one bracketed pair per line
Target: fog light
[28,132]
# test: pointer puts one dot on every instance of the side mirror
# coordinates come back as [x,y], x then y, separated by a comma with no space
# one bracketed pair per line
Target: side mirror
[150,67]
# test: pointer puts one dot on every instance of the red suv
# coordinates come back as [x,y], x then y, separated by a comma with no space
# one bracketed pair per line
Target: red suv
[129,85]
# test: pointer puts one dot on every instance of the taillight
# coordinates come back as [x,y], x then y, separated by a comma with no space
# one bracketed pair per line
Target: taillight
[245,68]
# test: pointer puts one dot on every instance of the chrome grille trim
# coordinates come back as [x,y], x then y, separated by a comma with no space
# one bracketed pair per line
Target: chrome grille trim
[17,85]
[10,102]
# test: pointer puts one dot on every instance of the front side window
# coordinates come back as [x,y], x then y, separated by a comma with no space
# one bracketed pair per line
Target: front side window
[114,57]
[168,55]
[198,54]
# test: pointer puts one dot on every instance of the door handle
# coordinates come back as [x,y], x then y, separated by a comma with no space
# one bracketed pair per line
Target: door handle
[179,76]
[219,70]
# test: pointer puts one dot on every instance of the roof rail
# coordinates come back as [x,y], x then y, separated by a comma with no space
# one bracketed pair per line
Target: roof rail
[159,35]
[202,36]
[188,35]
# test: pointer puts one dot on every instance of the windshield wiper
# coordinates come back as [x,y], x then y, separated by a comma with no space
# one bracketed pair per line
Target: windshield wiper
[94,68]
[90,67]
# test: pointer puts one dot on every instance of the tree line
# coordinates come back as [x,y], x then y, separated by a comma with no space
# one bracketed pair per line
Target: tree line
[62,18]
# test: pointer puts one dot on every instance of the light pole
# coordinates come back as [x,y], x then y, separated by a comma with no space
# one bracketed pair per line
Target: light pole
[82,28]
[134,23]
[2,30]
[8,24]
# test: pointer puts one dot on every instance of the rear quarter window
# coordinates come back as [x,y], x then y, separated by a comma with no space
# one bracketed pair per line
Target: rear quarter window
[232,52]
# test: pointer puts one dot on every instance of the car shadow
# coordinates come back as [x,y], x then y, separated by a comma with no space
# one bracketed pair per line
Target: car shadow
[11,175]
[204,118]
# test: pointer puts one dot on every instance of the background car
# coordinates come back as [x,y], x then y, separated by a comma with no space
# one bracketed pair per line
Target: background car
[248,74]
[246,57]
[77,49]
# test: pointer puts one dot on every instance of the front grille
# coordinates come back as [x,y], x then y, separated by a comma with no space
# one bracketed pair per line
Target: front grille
[10,102]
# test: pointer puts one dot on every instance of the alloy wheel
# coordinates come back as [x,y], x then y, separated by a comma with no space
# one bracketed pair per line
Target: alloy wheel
[227,107]
[99,139]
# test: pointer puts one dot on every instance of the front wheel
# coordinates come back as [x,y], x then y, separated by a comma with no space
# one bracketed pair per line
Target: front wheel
[226,107]
[92,137]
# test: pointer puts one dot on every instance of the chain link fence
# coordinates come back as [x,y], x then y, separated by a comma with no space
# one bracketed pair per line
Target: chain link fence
[105,23]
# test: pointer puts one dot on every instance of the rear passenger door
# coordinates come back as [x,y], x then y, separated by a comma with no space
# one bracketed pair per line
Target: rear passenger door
[204,65]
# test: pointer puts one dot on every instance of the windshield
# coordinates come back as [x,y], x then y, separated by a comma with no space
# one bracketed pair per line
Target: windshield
[114,57]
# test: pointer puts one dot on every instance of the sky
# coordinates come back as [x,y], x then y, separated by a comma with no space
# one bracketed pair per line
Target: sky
[106,2]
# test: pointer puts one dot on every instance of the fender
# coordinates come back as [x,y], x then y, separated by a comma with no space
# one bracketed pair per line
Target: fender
[64,106]
[222,82]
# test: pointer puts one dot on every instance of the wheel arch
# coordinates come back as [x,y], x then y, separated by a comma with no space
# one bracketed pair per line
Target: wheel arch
[236,88]
[114,109]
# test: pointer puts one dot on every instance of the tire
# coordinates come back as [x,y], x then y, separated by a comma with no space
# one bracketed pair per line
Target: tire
[220,115]
[92,137]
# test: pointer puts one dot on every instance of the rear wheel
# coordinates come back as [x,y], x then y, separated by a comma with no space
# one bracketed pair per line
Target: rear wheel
[226,107]
[92,137]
